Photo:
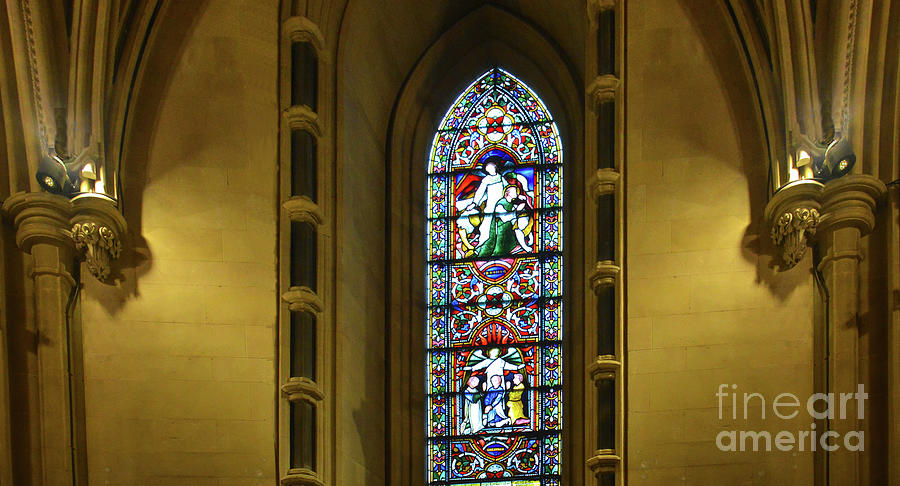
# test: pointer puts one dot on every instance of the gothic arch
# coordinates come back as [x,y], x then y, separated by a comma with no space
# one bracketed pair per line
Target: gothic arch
[486,37]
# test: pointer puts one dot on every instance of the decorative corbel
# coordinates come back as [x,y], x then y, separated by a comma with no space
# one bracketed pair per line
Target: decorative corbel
[97,229]
[792,230]
[793,216]
[98,245]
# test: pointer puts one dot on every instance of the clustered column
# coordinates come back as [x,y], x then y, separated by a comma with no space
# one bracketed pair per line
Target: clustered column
[302,415]
[834,216]
[604,169]
[59,233]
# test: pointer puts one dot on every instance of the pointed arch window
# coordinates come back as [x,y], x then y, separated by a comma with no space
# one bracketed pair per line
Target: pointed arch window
[494,289]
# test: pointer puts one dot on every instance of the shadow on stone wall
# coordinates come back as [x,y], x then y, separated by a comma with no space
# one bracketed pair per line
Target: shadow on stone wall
[713,27]
[161,57]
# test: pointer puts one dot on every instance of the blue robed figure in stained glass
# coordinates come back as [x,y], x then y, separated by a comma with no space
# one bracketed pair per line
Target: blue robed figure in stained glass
[494,289]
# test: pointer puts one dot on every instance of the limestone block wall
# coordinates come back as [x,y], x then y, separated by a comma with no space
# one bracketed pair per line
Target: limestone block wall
[704,305]
[180,357]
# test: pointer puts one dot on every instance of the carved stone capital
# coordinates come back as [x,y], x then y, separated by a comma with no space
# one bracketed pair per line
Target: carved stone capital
[97,229]
[793,217]
[604,461]
[298,388]
[300,299]
[604,368]
[800,210]
[603,182]
[301,476]
[302,29]
[602,90]
[39,217]
[603,275]
[91,226]
[302,209]
[851,201]
[99,245]
[301,117]
[792,230]
[594,7]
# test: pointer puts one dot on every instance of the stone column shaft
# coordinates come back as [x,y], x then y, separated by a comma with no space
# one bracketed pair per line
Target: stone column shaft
[42,224]
[53,285]
[835,215]
[840,270]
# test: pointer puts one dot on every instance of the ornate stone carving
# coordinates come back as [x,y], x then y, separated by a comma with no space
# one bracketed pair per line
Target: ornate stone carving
[99,246]
[791,232]
[793,217]
[97,229]
[806,208]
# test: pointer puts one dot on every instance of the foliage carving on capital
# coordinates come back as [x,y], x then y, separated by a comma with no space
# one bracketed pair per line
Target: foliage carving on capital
[793,216]
[792,231]
[99,245]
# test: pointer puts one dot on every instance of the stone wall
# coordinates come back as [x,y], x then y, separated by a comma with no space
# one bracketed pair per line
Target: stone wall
[704,305]
[180,358]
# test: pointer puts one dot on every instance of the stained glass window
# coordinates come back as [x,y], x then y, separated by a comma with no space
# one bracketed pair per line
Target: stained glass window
[494,290]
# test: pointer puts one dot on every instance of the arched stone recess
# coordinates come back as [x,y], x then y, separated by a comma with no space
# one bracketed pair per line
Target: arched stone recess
[144,73]
[486,37]
[199,174]
[741,61]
